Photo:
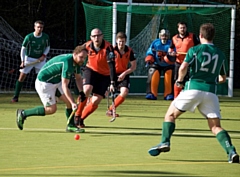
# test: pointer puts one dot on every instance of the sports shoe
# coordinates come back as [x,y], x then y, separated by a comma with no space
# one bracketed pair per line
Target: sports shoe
[162,147]
[74,129]
[109,113]
[81,123]
[77,120]
[233,157]
[14,99]
[169,97]
[20,119]
[150,96]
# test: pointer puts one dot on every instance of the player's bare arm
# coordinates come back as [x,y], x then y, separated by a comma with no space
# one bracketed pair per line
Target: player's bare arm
[67,92]
[182,73]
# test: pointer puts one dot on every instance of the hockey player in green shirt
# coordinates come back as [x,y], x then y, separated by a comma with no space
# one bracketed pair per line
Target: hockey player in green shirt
[207,69]
[35,47]
[53,79]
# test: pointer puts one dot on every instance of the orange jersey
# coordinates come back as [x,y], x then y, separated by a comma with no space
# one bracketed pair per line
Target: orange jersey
[97,60]
[183,44]
[122,61]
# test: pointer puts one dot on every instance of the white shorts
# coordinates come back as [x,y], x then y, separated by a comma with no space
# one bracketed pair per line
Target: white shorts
[206,102]
[37,66]
[47,91]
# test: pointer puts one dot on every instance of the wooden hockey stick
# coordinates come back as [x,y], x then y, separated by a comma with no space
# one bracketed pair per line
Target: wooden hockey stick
[28,64]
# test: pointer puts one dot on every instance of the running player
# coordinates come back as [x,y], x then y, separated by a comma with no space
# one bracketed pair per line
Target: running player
[98,74]
[123,56]
[53,79]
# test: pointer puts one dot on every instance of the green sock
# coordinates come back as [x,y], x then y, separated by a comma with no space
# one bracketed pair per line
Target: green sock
[37,111]
[225,141]
[18,88]
[68,112]
[167,131]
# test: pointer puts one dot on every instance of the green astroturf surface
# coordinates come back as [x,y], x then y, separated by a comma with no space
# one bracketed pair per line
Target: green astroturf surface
[119,148]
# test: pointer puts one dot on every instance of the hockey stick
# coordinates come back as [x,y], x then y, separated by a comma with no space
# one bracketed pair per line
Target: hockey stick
[113,108]
[107,94]
[183,53]
[71,115]
[28,64]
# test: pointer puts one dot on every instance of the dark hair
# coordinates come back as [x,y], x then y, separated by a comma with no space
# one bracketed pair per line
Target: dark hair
[39,22]
[182,23]
[121,35]
[208,31]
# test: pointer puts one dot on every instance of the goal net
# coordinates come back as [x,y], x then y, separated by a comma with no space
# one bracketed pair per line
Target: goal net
[146,20]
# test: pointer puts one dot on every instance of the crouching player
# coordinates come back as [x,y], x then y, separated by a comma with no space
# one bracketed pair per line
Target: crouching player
[123,56]
[159,63]
[53,79]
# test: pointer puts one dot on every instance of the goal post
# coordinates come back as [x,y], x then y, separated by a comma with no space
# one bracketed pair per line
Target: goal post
[222,16]
[143,21]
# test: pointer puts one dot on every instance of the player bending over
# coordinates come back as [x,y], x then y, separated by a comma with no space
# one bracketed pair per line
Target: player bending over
[53,79]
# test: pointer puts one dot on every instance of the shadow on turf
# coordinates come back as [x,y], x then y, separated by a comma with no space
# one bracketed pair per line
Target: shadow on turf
[199,161]
[179,132]
[180,118]
[114,173]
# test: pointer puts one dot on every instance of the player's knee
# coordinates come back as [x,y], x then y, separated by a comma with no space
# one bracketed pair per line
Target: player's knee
[50,109]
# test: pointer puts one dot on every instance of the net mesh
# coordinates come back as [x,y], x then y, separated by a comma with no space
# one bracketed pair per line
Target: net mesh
[10,46]
[147,21]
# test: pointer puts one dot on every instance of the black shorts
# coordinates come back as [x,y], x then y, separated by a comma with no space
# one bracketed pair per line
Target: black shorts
[124,83]
[99,82]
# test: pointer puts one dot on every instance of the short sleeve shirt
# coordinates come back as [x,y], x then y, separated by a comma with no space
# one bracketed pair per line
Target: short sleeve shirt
[206,63]
[35,46]
[61,66]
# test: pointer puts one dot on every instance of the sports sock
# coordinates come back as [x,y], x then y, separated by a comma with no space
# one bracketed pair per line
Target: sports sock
[68,112]
[119,100]
[225,141]
[167,131]
[81,107]
[37,111]
[177,90]
[90,108]
[18,88]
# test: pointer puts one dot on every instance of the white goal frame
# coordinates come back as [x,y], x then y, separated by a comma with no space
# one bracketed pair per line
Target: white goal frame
[128,28]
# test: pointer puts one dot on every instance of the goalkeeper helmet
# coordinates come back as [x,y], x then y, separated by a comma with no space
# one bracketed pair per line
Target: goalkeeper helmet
[164,35]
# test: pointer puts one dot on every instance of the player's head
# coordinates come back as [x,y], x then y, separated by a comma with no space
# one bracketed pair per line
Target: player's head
[207,31]
[182,28]
[80,54]
[164,35]
[38,27]
[121,38]
[97,37]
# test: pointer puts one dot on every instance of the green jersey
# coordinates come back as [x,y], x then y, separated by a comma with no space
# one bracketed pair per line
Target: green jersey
[35,46]
[61,66]
[206,62]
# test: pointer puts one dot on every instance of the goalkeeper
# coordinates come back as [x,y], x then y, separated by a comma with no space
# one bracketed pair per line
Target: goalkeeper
[53,79]
[160,63]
